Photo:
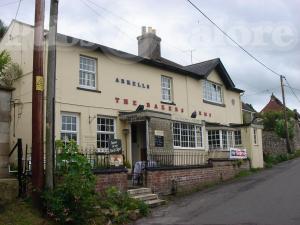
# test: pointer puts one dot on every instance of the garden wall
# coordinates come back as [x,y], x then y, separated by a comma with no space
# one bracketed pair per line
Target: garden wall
[111,178]
[170,180]
[274,145]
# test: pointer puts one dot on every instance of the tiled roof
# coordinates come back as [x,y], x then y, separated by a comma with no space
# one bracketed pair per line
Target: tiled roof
[248,107]
[274,105]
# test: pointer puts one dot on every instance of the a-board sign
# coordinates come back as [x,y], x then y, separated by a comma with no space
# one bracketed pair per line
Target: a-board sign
[236,153]
[115,146]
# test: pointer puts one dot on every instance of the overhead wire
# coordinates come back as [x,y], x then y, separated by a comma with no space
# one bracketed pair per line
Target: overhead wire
[241,47]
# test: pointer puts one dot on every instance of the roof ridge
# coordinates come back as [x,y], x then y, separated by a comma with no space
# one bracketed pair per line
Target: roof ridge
[203,62]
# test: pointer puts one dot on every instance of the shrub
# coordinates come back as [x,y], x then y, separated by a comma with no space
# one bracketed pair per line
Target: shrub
[280,128]
[270,118]
[73,200]
[119,207]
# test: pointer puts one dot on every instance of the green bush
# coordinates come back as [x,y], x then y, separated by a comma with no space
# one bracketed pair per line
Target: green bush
[280,128]
[73,200]
[270,118]
[119,207]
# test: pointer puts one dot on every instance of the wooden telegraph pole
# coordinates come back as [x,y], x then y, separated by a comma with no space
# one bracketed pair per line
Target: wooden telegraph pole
[285,116]
[37,101]
[50,107]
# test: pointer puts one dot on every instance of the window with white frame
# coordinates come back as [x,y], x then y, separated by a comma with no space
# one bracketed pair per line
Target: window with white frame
[214,139]
[220,139]
[187,135]
[166,89]
[105,131]
[87,72]
[212,92]
[238,137]
[69,127]
[255,136]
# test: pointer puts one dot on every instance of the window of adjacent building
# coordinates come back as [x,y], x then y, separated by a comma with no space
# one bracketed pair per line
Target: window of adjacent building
[166,89]
[255,136]
[105,131]
[237,137]
[187,135]
[212,92]
[87,73]
[69,127]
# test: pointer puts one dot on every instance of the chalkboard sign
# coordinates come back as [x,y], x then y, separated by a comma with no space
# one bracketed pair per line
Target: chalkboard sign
[159,141]
[115,146]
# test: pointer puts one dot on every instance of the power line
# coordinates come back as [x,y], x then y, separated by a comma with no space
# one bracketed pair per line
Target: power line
[260,92]
[292,90]
[235,42]
[131,24]
[17,12]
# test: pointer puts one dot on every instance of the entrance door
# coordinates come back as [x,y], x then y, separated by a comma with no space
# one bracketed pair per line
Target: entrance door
[138,142]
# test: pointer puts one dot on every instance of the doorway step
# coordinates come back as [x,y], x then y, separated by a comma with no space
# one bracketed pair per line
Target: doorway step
[146,195]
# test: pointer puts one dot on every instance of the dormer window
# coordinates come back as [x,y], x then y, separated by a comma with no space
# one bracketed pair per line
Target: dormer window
[212,92]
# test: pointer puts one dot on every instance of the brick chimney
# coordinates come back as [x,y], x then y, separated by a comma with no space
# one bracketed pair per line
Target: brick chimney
[149,44]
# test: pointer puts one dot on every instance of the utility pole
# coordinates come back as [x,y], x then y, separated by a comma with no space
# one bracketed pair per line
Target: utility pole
[37,102]
[50,106]
[285,116]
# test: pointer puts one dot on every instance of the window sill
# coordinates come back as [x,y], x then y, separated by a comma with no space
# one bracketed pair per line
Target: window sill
[167,103]
[86,89]
[214,103]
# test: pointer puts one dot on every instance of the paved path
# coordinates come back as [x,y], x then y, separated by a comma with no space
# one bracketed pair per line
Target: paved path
[271,197]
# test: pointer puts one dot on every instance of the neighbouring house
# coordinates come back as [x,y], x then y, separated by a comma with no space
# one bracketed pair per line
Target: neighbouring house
[160,111]
[274,105]
[249,113]
[272,143]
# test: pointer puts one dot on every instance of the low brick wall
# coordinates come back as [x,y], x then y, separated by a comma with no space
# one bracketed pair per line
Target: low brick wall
[167,181]
[111,178]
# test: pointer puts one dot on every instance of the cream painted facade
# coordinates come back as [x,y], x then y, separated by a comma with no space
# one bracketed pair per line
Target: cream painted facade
[110,98]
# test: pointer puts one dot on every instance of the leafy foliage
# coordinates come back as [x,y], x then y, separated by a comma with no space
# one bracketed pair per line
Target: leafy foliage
[270,118]
[271,160]
[9,71]
[3,29]
[281,130]
[5,60]
[119,208]
[73,200]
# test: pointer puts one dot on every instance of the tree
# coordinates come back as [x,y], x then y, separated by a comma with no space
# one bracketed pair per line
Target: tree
[2,29]
[9,71]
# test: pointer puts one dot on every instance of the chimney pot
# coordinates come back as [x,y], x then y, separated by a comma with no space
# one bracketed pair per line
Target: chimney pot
[149,44]
[144,30]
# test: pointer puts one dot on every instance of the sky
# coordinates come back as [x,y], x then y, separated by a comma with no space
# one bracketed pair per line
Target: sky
[268,29]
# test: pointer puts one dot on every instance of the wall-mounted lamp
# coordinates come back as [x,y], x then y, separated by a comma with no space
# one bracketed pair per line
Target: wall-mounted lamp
[194,114]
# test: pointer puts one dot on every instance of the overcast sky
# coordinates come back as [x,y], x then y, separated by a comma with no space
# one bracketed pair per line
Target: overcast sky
[269,29]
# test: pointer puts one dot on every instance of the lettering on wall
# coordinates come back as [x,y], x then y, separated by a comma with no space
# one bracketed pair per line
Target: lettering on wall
[132,83]
[160,107]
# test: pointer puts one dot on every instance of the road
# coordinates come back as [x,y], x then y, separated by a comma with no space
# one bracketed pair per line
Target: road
[270,197]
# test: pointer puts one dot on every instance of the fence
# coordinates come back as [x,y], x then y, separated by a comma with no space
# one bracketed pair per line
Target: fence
[176,158]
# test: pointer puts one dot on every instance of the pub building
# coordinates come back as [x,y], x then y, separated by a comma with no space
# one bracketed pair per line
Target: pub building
[150,104]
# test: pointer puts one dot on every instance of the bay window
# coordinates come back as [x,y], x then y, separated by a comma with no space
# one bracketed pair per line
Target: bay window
[220,139]
[187,135]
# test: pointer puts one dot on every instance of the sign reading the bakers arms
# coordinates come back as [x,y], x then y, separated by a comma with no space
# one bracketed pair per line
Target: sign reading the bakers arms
[236,153]
[115,146]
